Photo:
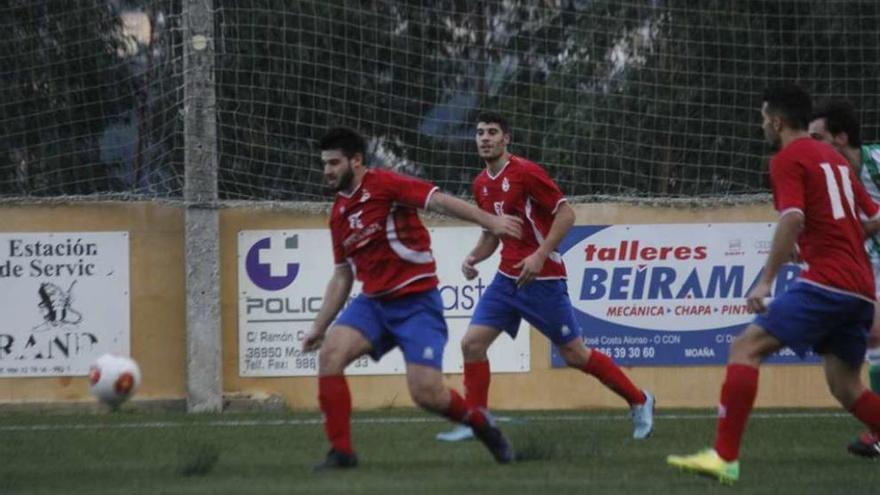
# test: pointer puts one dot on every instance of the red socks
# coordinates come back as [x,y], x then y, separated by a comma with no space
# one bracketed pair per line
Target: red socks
[476,383]
[603,368]
[737,397]
[335,400]
[461,412]
[867,410]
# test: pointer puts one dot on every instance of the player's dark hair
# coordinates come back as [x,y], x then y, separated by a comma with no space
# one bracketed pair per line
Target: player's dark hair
[840,116]
[344,139]
[494,118]
[792,103]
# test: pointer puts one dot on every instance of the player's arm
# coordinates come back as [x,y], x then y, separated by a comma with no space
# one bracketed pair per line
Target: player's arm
[869,212]
[499,226]
[532,265]
[486,245]
[790,225]
[335,295]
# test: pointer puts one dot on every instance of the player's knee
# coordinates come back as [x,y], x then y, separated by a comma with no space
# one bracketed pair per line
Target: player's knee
[845,395]
[427,396]
[846,391]
[575,357]
[744,350]
[331,360]
[473,349]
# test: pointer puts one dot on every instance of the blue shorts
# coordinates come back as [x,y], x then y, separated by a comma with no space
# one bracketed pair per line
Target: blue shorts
[543,303]
[811,317]
[414,323]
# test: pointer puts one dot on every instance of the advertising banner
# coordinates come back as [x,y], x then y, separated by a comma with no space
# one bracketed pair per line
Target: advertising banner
[65,301]
[282,275]
[673,294]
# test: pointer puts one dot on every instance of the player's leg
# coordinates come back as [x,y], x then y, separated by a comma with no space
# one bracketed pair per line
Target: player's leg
[343,345]
[477,376]
[799,319]
[492,315]
[592,362]
[738,393]
[428,391]
[357,331]
[843,353]
[545,304]
[419,329]
[477,373]
[845,382]
[867,444]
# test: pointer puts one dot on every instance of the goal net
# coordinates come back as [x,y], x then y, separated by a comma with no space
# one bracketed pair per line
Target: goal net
[619,99]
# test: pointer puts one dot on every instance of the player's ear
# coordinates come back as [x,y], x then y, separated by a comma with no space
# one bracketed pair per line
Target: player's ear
[841,139]
[357,159]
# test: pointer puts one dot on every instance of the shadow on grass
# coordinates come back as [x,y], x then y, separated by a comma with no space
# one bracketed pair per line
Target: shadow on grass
[197,459]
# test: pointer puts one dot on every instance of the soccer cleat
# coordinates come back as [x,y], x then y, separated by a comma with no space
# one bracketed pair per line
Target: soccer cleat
[643,417]
[494,440]
[867,445]
[458,434]
[336,460]
[707,462]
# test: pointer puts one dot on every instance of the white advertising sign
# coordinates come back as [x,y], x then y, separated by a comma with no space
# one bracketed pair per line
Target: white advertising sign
[668,294]
[282,275]
[65,301]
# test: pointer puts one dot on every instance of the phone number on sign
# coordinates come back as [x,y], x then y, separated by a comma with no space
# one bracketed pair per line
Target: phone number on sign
[627,352]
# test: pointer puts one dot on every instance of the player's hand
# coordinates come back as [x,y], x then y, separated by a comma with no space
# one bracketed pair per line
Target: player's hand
[506,226]
[755,298]
[313,341]
[468,269]
[529,268]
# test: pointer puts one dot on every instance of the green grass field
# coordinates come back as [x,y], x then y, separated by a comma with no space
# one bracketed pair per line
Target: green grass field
[786,452]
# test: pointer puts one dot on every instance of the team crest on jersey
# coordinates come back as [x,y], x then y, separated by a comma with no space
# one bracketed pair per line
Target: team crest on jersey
[505,186]
[354,220]
[485,191]
[342,210]
[499,207]
[365,196]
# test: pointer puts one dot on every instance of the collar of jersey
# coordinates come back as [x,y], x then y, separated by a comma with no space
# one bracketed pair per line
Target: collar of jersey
[493,177]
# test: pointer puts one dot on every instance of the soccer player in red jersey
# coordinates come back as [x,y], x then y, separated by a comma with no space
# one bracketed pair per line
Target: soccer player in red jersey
[530,282]
[378,236]
[829,308]
[835,122]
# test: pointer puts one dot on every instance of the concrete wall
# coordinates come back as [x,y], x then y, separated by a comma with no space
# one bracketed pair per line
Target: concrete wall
[158,337]
[158,319]
[543,387]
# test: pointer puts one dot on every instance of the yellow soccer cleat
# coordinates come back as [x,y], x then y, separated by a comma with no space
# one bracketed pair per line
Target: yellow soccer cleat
[707,462]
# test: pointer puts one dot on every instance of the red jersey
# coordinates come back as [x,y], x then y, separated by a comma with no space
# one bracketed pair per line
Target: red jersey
[523,189]
[811,177]
[377,230]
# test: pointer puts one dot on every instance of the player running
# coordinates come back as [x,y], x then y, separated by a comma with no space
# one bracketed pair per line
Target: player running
[378,235]
[829,308]
[530,282]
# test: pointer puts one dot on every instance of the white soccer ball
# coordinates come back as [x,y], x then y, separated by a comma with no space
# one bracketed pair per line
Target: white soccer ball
[114,379]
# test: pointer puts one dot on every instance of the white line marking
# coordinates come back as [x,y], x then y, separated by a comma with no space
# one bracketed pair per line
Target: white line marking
[393,420]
